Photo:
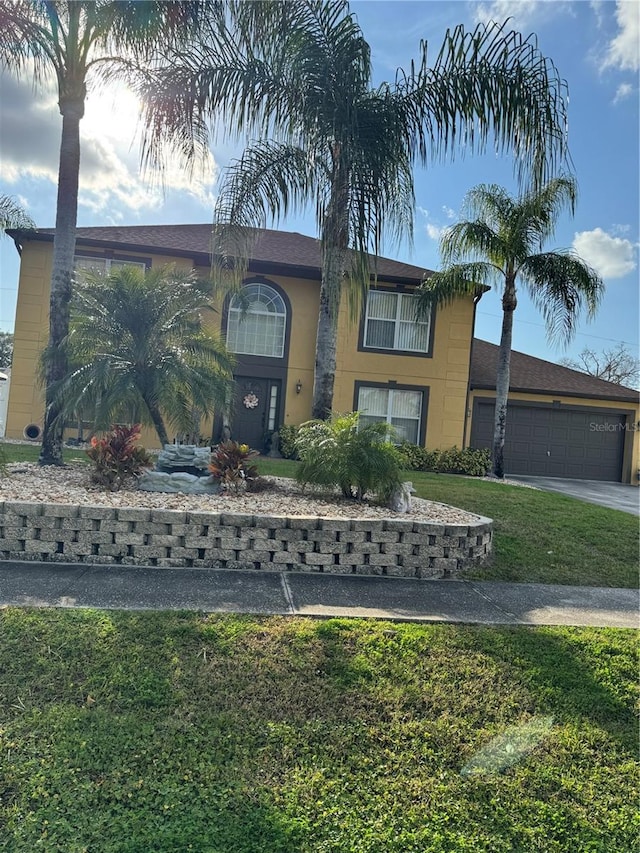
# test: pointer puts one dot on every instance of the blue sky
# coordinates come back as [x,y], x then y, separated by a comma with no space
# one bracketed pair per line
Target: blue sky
[595,46]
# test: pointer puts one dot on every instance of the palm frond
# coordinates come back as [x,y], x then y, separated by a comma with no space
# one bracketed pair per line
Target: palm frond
[562,285]
[473,240]
[13,215]
[269,181]
[489,86]
[137,342]
[459,280]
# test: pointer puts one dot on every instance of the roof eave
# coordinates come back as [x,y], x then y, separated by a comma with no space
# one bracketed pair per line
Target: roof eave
[482,386]
[256,265]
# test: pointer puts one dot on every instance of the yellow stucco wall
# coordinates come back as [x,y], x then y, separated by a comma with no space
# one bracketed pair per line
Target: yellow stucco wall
[631,457]
[30,337]
[444,375]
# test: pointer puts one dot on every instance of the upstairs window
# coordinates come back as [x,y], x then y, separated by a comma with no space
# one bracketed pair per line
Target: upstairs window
[390,323]
[257,322]
[104,266]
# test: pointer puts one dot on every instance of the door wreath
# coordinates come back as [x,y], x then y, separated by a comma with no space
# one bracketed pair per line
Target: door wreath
[250,401]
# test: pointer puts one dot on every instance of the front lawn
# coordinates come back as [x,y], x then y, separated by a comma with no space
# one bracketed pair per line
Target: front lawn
[175,732]
[540,537]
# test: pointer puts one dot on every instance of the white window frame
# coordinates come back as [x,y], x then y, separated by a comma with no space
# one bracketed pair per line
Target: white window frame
[391,392]
[398,323]
[238,312]
[108,262]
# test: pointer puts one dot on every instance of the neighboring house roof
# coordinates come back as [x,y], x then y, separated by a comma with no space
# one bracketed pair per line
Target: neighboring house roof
[536,376]
[272,251]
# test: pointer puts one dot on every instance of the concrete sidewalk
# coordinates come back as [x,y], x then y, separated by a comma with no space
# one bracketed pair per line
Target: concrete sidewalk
[34,584]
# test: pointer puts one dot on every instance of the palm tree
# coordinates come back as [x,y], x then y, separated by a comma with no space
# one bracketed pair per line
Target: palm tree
[140,347]
[73,41]
[13,215]
[502,245]
[328,136]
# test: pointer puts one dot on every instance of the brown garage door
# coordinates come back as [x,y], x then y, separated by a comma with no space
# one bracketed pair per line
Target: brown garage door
[555,442]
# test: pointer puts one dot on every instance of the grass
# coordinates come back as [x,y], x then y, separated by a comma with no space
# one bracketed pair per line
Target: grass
[540,537]
[218,734]
[31,452]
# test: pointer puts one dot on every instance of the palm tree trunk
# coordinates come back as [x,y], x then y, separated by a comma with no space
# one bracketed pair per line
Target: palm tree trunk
[63,251]
[158,422]
[327,337]
[335,238]
[509,303]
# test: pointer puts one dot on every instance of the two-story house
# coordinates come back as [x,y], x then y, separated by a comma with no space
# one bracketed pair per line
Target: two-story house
[427,377]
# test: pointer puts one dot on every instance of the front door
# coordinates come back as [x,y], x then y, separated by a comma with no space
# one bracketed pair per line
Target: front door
[251,406]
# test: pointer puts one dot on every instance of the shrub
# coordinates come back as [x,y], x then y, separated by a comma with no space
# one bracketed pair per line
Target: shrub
[416,458]
[117,457]
[470,461]
[339,453]
[230,465]
[288,434]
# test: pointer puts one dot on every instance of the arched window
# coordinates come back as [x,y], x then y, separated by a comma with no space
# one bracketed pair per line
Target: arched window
[257,321]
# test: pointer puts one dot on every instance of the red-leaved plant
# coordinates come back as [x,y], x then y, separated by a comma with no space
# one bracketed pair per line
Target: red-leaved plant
[117,457]
[230,465]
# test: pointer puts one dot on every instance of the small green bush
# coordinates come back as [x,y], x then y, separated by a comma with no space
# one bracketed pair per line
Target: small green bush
[288,434]
[357,460]
[117,457]
[416,458]
[230,465]
[470,461]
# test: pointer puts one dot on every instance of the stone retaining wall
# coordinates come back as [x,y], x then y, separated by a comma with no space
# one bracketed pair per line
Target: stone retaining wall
[155,537]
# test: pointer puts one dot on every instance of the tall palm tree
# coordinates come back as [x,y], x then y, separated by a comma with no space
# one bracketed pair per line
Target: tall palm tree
[501,245]
[139,345]
[13,215]
[329,137]
[73,41]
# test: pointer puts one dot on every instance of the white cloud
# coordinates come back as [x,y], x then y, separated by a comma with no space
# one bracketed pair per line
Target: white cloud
[619,229]
[522,12]
[611,257]
[598,7]
[433,231]
[624,90]
[111,183]
[624,50]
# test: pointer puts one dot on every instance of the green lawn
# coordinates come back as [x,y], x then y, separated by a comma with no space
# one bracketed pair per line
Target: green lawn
[174,732]
[540,537]
[31,452]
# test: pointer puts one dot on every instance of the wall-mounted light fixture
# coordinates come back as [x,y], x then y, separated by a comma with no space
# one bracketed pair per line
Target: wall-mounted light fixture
[298,386]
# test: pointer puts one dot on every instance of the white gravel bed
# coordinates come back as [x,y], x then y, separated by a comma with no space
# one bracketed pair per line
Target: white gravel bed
[71,485]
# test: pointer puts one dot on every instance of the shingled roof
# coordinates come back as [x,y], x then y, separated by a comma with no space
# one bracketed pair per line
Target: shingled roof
[273,249]
[537,376]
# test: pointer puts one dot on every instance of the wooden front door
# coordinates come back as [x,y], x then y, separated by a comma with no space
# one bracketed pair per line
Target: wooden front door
[251,404]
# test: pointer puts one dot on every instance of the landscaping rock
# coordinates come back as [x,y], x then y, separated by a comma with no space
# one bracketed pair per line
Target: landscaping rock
[186,484]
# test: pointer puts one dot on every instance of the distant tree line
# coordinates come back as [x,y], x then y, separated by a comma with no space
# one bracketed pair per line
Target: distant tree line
[6,349]
[617,364]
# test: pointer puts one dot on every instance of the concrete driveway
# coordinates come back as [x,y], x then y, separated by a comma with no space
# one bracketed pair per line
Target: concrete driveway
[614,495]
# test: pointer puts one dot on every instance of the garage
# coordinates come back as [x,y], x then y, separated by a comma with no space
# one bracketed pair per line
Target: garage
[555,441]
